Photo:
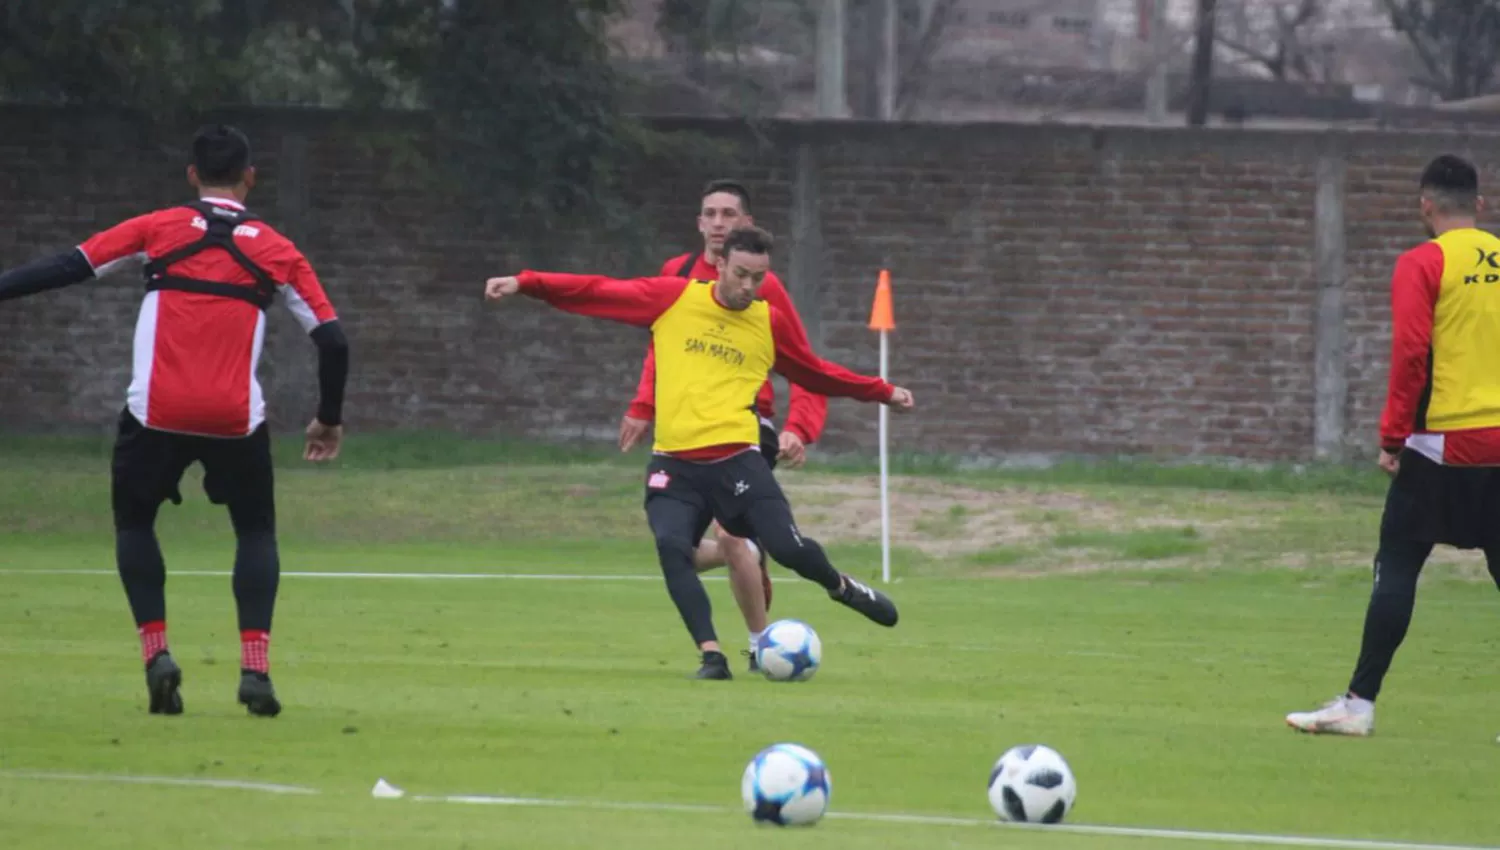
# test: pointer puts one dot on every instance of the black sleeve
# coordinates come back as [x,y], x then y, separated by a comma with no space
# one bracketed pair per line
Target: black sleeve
[333,371]
[42,275]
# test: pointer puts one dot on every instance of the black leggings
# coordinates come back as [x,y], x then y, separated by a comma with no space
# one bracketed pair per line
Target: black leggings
[1398,564]
[143,571]
[678,525]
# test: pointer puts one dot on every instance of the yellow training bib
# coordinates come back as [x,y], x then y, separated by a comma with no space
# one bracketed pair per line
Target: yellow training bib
[1465,379]
[710,364]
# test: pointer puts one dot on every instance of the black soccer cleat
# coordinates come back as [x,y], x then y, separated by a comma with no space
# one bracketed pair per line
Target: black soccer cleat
[164,683]
[257,695]
[715,666]
[754,663]
[866,600]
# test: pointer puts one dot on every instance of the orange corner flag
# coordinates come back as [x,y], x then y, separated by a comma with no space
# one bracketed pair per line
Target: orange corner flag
[881,316]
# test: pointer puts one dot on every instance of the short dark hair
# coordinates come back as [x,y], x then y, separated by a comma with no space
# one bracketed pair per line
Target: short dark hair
[1451,182]
[221,154]
[732,187]
[749,240]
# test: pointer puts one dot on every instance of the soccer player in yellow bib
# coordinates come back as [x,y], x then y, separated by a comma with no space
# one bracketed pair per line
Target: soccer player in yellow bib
[1440,430]
[716,342]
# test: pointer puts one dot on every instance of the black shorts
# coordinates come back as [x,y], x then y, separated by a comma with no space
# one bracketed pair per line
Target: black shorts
[148,466]
[1429,502]
[721,491]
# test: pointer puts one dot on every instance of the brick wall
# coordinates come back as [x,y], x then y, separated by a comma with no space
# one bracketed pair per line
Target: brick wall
[1058,289]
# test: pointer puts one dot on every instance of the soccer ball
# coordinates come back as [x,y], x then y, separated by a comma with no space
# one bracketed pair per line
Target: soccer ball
[788,651]
[787,785]
[1032,784]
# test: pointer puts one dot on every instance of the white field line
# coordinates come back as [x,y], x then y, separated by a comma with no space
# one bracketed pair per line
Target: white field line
[934,820]
[199,782]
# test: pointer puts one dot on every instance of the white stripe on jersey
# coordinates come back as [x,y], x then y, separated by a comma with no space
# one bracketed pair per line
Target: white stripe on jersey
[257,396]
[299,308]
[138,397]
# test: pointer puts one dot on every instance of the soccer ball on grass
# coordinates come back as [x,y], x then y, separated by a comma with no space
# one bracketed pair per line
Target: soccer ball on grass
[788,651]
[786,785]
[1032,784]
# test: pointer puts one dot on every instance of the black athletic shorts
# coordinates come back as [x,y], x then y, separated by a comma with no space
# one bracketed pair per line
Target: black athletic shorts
[721,491]
[148,467]
[1429,502]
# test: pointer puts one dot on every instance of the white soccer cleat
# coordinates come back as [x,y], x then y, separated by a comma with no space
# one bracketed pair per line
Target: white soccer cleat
[1339,716]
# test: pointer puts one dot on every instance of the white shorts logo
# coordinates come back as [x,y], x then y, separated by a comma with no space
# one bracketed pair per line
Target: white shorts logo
[659,481]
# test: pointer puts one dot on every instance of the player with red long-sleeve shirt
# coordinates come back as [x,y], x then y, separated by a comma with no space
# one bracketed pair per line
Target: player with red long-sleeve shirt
[725,205]
[716,343]
[1440,430]
[212,270]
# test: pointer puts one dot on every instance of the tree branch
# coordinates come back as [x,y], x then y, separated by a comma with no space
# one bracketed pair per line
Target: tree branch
[1406,22]
[934,20]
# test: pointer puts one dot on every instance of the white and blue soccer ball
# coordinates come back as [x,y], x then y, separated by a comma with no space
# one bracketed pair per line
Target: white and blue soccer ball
[786,785]
[788,651]
[1032,784]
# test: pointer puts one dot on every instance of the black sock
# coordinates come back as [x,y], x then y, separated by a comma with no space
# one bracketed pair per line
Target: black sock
[1397,567]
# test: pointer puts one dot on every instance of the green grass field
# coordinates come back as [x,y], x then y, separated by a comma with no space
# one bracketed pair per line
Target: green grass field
[1154,624]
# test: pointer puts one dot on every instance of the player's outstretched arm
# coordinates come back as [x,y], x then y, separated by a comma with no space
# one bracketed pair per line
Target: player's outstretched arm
[801,366]
[636,302]
[807,412]
[94,258]
[42,275]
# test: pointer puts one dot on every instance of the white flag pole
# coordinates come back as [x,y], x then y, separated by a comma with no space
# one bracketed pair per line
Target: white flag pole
[885,469]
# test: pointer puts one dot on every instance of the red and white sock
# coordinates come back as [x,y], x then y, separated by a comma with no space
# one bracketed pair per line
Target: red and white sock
[255,647]
[153,638]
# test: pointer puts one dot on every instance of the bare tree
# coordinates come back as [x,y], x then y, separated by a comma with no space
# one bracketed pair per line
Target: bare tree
[1457,42]
[918,44]
[921,28]
[1277,36]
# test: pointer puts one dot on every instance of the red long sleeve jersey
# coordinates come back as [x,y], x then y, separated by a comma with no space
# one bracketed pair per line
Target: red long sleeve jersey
[195,356]
[711,360]
[1443,398]
[807,412]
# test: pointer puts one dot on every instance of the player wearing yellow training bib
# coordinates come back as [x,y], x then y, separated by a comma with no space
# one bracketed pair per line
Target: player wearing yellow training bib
[1439,431]
[716,343]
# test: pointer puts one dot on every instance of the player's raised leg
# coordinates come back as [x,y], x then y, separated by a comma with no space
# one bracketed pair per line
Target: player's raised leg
[679,516]
[144,472]
[776,529]
[749,503]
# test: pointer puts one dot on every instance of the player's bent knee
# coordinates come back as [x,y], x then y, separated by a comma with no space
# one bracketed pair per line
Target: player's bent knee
[675,550]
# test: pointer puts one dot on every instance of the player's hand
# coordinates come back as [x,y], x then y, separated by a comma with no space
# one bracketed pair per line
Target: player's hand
[1390,461]
[793,451]
[901,400]
[323,442]
[498,287]
[631,432]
